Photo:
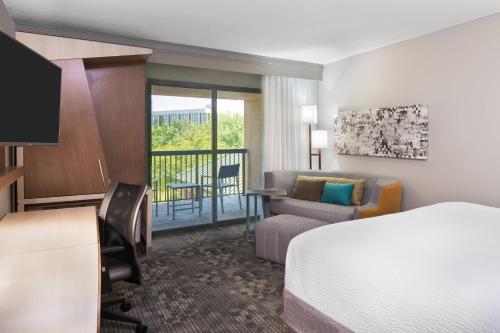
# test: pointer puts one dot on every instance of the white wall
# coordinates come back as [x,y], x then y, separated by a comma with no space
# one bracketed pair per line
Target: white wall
[456,72]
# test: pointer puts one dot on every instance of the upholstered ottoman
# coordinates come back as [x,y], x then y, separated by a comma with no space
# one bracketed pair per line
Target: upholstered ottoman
[273,234]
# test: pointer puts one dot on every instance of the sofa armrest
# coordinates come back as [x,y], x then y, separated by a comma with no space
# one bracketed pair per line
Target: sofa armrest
[385,199]
[282,180]
[268,179]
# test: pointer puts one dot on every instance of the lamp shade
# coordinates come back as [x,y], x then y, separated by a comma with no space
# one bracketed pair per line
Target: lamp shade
[319,139]
[310,114]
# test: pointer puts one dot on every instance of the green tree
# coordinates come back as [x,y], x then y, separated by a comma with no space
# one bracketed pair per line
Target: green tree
[230,131]
[183,135]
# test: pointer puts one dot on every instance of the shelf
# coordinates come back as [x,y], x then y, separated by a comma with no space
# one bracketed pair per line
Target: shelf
[9,175]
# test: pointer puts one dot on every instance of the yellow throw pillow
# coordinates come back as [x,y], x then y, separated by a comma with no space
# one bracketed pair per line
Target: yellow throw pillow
[357,192]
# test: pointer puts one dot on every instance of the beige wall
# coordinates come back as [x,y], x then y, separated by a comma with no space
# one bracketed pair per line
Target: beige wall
[200,75]
[456,72]
[253,139]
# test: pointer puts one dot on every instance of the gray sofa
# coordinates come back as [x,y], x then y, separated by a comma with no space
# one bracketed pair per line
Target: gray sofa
[381,195]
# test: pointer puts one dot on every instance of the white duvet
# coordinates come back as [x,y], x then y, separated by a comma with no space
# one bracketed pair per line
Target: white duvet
[432,269]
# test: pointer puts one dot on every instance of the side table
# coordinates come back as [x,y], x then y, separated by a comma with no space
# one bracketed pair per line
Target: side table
[171,190]
[265,194]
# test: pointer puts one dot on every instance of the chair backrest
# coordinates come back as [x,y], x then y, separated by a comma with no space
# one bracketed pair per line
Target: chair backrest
[119,214]
[228,171]
[120,208]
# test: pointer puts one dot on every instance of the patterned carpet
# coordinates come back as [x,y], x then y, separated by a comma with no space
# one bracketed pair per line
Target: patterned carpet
[205,281]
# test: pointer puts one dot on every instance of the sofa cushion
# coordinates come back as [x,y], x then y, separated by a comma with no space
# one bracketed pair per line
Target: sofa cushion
[357,193]
[308,188]
[317,210]
[339,194]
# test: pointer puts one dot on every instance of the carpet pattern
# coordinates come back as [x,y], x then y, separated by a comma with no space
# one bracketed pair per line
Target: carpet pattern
[205,281]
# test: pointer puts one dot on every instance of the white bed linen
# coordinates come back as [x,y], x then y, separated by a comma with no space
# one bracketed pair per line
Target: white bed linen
[432,269]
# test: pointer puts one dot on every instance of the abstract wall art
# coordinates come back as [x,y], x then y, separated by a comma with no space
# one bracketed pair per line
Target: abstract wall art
[397,132]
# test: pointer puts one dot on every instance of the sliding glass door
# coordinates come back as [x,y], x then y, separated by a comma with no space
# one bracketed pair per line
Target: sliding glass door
[238,149]
[199,136]
[180,153]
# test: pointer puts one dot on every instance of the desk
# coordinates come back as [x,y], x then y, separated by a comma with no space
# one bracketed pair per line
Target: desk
[50,271]
[47,230]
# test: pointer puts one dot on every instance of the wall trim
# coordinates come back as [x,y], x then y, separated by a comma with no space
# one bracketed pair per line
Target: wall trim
[186,55]
[68,198]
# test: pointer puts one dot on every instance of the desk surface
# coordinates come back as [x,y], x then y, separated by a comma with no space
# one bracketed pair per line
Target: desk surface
[50,271]
[47,230]
[50,291]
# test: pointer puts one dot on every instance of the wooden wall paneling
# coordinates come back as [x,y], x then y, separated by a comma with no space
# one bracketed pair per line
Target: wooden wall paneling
[118,93]
[72,167]
[9,175]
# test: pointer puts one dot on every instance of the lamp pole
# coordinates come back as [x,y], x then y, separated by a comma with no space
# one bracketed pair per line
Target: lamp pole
[310,148]
[319,140]
[310,116]
[319,159]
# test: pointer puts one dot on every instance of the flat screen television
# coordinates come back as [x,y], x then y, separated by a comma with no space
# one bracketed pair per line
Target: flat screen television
[30,92]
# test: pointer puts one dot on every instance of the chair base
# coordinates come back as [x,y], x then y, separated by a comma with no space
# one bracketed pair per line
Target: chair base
[107,314]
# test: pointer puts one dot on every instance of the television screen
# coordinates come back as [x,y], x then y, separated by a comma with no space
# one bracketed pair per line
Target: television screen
[30,91]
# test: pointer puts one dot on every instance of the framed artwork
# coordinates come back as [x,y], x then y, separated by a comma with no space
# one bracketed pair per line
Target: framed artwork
[397,132]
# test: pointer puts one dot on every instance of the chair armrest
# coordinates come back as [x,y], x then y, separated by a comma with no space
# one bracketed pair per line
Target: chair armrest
[385,199]
[112,249]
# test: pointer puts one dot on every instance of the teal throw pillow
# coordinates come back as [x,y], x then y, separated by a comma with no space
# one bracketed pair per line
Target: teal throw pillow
[339,194]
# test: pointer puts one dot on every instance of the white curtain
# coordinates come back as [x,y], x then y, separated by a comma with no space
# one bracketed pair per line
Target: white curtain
[285,137]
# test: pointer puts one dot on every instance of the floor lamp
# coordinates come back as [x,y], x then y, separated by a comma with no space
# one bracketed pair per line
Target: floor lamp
[319,140]
[310,117]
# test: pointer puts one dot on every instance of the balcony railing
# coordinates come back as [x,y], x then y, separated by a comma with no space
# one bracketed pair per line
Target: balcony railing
[191,166]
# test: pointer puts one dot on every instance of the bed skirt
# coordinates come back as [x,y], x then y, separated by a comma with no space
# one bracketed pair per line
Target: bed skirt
[303,318]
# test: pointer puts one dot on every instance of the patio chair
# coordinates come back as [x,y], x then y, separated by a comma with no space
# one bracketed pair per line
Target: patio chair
[228,177]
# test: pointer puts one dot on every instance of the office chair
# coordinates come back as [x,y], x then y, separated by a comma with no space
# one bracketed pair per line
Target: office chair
[118,216]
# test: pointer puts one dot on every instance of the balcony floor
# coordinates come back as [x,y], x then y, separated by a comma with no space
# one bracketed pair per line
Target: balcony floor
[186,218]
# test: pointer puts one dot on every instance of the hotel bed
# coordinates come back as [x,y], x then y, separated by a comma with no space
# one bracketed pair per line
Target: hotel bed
[432,269]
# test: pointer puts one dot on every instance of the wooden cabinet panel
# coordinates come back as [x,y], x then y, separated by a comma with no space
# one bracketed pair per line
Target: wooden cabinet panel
[72,167]
[9,175]
[118,93]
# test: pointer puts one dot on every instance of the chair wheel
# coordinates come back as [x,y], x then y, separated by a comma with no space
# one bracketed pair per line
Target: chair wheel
[125,306]
[140,328]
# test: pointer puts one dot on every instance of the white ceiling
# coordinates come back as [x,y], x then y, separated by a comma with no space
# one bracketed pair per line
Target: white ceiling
[318,31]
